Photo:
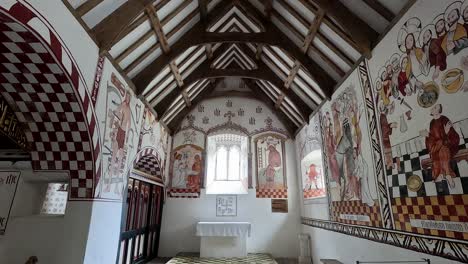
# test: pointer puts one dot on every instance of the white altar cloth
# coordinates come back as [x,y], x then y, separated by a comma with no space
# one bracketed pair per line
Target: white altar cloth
[223,239]
[223,229]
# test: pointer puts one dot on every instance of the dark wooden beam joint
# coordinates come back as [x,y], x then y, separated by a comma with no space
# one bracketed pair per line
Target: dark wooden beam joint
[313,29]
[109,29]
[292,74]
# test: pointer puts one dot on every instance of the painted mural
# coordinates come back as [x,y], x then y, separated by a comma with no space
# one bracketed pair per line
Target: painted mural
[351,177]
[234,114]
[309,153]
[421,94]
[123,114]
[270,167]
[187,164]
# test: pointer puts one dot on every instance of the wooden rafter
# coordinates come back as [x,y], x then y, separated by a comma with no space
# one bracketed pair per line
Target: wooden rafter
[361,32]
[197,35]
[323,56]
[87,6]
[261,95]
[380,9]
[292,74]
[205,72]
[267,8]
[110,27]
[156,45]
[177,120]
[157,27]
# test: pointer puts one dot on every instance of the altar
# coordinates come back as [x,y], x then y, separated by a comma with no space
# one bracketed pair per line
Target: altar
[223,239]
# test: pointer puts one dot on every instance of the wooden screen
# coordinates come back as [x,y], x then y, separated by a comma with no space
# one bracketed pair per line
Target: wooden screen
[139,240]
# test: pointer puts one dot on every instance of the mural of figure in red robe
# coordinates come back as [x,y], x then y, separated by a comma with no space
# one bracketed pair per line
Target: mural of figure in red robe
[442,142]
[386,129]
[121,124]
[274,160]
[313,175]
[193,179]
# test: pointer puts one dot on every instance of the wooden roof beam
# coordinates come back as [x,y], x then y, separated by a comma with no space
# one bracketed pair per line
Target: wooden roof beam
[380,9]
[157,27]
[108,30]
[260,95]
[177,120]
[361,32]
[197,36]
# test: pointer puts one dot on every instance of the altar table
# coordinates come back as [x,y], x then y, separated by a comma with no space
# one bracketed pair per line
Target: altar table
[223,239]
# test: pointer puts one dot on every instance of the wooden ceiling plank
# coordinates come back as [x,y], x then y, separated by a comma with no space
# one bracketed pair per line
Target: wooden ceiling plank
[175,12]
[177,120]
[380,9]
[134,46]
[130,67]
[87,6]
[110,27]
[261,96]
[324,80]
[326,59]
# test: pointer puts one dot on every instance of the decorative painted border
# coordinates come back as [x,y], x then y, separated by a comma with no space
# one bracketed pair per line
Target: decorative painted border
[453,250]
[364,78]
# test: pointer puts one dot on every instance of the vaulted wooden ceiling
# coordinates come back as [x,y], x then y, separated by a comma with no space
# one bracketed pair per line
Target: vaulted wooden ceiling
[290,53]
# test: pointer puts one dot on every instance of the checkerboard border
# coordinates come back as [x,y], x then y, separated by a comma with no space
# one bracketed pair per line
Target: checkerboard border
[271,193]
[30,19]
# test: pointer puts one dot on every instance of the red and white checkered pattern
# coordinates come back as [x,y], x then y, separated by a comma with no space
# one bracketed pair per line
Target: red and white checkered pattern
[450,208]
[272,193]
[42,84]
[183,193]
[149,162]
[356,207]
[314,193]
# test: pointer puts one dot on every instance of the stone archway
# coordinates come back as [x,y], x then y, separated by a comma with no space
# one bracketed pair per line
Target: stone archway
[42,84]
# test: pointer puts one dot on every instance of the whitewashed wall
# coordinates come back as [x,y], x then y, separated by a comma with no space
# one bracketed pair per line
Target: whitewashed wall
[275,233]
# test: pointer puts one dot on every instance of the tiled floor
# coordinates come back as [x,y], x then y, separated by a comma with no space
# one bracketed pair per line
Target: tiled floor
[252,259]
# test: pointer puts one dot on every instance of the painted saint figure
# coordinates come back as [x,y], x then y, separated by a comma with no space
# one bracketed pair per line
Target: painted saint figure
[442,142]
[313,175]
[193,179]
[179,170]
[120,122]
[456,32]
[274,160]
[386,129]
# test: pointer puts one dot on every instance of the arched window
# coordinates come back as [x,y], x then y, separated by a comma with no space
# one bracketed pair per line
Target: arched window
[227,164]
